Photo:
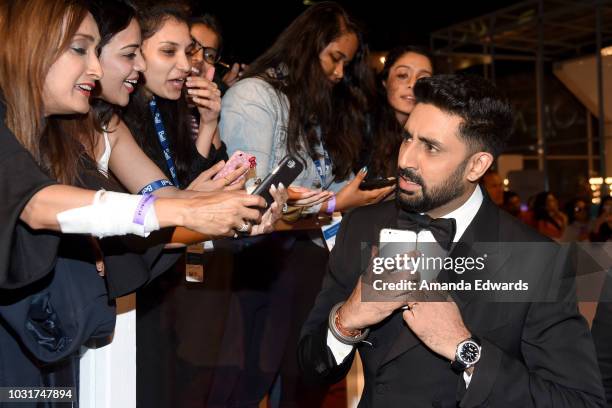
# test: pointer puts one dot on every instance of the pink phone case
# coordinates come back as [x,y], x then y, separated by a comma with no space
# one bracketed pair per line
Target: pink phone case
[238,159]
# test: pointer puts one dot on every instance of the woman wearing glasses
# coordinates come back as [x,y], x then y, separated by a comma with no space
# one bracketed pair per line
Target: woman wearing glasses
[206,32]
[158,114]
[52,297]
[159,118]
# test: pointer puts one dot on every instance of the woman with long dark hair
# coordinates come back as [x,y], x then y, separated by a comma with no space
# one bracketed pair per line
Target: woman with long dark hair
[53,299]
[158,114]
[307,95]
[403,67]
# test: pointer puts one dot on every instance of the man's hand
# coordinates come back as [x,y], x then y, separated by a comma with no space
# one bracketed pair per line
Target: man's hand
[367,306]
[438,324]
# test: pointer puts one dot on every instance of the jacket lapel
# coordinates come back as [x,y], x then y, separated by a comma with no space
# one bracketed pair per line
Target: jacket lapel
[481,237]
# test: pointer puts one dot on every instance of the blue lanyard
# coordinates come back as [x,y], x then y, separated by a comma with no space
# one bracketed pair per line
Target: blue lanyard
[323,164]
[163,140]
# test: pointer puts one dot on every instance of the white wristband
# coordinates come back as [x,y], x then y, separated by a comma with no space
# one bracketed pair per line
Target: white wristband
[110,214]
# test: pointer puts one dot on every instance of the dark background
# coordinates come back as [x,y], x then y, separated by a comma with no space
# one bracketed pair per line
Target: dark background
[249,27]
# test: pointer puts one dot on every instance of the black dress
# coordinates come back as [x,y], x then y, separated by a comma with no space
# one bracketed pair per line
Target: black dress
[180,323]
[49,304]
[52,299]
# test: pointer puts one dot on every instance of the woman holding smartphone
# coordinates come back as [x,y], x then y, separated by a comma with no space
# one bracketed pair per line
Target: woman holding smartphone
[53,299]
[158,117]
[307,95]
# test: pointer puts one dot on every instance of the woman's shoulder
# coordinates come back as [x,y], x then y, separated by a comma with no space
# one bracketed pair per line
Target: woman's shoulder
[250,88]
[115,129]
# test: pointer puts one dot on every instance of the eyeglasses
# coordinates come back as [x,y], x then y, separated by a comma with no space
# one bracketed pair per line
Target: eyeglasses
[211,55]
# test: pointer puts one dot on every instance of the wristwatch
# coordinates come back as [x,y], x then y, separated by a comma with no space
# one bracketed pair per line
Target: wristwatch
[467,354]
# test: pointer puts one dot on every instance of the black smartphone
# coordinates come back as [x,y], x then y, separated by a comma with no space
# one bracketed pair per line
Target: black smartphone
[287,170]
[373,184]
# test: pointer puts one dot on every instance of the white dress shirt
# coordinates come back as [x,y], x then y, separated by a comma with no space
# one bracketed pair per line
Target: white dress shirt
[463,218]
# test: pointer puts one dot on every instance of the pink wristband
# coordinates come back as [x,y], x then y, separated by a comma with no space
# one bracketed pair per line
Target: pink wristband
[143,207]
[331,205]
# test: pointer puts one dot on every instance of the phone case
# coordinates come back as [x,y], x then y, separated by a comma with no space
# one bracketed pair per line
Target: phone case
[238,159]
[287,170]
[394,242]
[373,184]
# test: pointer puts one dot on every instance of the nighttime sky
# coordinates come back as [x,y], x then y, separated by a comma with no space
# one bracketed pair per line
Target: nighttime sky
[250,27]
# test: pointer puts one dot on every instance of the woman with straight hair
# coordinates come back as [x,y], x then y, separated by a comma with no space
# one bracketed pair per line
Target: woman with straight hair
[307,95]
[53,299]
[404,65]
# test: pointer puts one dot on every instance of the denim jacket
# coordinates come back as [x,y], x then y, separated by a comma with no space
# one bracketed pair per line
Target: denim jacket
[254,119]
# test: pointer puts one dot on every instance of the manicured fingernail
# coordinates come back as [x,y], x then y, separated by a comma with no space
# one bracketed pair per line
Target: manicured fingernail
[364,169]
[281,185]
[190,91]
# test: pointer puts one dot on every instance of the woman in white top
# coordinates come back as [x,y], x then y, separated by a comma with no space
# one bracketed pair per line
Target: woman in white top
[48,69]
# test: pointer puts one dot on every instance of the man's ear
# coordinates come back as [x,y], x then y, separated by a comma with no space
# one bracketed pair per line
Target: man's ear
[478,165]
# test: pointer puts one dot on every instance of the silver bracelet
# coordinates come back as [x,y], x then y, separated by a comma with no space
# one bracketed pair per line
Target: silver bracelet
[331,322]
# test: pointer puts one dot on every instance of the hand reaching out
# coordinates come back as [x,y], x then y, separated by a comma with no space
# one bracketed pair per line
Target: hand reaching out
[204,182]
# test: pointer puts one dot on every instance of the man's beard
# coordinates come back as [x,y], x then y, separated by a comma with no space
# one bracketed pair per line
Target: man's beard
[427,198]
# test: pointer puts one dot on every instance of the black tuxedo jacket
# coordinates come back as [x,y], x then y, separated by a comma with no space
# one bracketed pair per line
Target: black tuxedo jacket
[534,354]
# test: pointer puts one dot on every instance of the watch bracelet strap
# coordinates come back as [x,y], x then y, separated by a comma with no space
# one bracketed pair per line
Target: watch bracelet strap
[336,333]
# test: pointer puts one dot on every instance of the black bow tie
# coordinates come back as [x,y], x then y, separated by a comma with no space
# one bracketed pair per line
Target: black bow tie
[443,229]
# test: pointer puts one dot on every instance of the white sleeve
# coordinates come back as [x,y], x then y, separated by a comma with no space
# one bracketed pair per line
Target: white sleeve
[338,349]
[110,214]
[467,378]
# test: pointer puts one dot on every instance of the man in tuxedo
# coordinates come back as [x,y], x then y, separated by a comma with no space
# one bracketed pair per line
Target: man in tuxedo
[473,349]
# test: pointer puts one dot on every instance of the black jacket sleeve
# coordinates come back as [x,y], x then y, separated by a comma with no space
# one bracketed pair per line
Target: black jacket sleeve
[559,367]
[25,255]
[131,262]
[602,336]
[315,358]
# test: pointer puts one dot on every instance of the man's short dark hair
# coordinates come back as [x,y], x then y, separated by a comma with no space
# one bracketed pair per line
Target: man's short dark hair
[487,115]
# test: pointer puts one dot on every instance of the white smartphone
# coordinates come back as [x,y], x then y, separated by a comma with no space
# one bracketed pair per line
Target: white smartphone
[394,242]
[396,235]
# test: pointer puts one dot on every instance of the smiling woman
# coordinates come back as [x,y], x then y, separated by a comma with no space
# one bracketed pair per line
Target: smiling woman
[74,74]
[166,48]
[52,298]
[48,67]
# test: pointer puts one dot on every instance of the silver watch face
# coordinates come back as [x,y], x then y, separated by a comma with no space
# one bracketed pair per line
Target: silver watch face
[469,352]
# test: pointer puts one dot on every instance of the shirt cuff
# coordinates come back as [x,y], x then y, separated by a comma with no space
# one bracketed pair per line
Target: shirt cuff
[339,350]
[466,377]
